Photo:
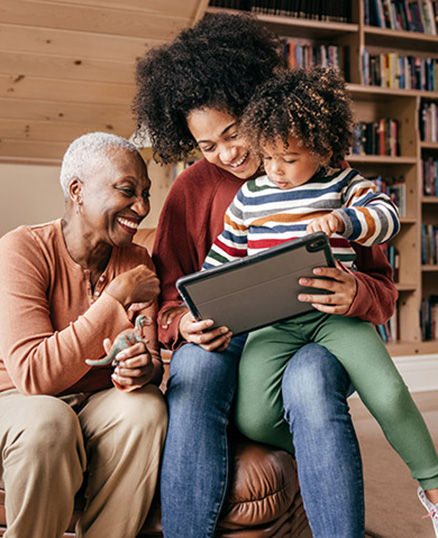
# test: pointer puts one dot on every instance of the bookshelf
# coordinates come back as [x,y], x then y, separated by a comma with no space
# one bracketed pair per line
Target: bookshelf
[416,281]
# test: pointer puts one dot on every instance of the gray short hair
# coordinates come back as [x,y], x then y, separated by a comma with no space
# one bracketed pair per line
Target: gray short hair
[88,152]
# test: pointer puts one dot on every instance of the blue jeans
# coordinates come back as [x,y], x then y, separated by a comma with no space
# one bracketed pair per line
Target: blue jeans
[315,388]
[195,465]
[195,462]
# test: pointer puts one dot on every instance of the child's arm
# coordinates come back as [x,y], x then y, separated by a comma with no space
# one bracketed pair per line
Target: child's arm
[232,243]
[367,217]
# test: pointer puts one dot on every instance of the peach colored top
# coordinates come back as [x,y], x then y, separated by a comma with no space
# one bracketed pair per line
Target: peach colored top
[50,319]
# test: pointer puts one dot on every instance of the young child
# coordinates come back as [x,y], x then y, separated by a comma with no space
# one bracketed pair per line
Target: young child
[300,122]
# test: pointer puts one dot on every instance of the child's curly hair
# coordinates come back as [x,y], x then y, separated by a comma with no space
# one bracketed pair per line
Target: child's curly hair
[310,105]
[218,64]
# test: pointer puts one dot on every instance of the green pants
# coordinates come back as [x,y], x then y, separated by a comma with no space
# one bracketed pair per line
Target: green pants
[357,346]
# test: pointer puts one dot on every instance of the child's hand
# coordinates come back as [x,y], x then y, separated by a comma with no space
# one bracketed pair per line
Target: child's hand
[329,224]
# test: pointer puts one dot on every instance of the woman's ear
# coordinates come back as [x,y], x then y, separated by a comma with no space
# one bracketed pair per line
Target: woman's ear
[75,190]
[75,193]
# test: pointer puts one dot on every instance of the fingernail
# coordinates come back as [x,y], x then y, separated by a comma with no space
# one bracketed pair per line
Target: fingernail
[224,330]
[302,297]
[303,281]
[317,271]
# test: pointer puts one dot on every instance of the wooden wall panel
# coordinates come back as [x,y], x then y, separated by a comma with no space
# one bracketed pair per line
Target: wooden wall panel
[88,18]
[77,45]
[111,117]
[22,151]
[46,131]
[67,67]
[96,70]
[24,87]
[183,8]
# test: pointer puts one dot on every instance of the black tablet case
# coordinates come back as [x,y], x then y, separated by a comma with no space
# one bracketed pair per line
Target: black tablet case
[257,290]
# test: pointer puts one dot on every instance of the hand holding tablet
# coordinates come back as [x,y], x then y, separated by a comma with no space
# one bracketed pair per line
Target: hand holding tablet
[260,289]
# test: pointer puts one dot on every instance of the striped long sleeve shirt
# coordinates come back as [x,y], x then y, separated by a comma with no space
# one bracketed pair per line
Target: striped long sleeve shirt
[262,215]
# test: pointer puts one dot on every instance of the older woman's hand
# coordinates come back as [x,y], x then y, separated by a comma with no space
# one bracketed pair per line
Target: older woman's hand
[134,286]
[135,368]
[201,333]
[341,284]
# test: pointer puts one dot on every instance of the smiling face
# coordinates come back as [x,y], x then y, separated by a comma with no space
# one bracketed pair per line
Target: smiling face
[291,165]
[114,198]
[216,134]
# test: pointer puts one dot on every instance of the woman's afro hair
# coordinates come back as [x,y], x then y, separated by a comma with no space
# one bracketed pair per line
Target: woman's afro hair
[312,106]
[217,64]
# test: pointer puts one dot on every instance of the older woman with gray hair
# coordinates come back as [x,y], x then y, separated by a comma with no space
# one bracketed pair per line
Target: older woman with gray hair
[66,288]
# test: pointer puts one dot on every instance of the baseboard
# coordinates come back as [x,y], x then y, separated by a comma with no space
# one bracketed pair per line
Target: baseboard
[420,372]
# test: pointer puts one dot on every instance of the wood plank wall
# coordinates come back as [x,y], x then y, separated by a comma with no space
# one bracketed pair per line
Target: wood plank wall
[67,67]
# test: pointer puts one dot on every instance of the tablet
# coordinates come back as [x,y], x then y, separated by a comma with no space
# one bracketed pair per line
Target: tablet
[260,289]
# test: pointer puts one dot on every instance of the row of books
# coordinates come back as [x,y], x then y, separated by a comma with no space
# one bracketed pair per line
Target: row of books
[395,188]
[389,330]
[429,318]
[379,137]
[429,244]
[399,71]
[429,171]
[393,255]
[324,10]
[429,121]
[408,15]
[307,55]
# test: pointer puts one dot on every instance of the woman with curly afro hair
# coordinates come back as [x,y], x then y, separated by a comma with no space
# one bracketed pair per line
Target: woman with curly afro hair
[192,93]
[298,122]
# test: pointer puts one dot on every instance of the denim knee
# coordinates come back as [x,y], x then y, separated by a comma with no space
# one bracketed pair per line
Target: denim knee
[202,379]
[313,382]
[194,367]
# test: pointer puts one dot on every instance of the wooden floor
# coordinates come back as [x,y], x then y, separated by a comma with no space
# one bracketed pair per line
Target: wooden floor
[382,466]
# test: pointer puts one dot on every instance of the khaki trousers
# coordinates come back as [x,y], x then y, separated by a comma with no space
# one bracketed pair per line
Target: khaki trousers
[47,443]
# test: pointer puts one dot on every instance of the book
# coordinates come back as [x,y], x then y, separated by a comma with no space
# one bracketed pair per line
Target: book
[429,318]
[430,176]
[377,138]
[397,70]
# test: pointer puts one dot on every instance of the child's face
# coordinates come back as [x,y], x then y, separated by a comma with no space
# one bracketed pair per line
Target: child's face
[289,166]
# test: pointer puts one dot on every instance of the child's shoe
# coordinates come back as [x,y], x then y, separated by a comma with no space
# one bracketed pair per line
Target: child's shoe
[431,508]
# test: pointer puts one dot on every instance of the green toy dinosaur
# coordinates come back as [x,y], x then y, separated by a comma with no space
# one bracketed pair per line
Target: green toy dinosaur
[125,339]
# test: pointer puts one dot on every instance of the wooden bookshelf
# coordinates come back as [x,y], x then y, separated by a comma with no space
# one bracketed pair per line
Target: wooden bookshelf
[416,281]
[371,103]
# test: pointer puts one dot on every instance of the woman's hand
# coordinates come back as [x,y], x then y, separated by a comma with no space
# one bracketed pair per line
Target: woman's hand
[135,368]
[170,314]
[138,285]
[201,333]
[334,279]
